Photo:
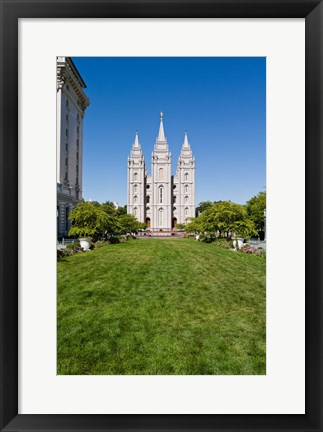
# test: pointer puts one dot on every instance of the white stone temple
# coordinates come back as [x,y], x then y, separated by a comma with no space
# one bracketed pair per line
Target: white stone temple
[161,200]
[71,103]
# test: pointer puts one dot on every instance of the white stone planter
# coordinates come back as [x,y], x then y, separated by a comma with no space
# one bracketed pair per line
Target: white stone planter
[85,244]
[240,243]
[237,243]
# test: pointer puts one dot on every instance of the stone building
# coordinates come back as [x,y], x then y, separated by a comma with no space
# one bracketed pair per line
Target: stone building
[71,103]
[161,200]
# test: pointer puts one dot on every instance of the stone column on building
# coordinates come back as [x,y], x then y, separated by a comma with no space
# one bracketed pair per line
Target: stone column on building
[71,103]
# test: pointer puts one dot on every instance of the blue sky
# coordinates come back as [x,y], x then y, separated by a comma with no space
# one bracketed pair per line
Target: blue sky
[220,101]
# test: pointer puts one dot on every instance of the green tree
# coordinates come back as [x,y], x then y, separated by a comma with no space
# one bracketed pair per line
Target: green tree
[122,211]
[203,205]
[119,211]
[109,203]
[244,228]
[109,209]
[96,203]
[221,216]
[180,226]
[256,208]
[129,223]
[194,225]
[90,219]
[226,217]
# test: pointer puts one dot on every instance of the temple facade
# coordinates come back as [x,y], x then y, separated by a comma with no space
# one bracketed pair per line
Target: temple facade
[161,200]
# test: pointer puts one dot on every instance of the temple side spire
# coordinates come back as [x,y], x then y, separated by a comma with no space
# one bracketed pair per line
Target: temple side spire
[136,151]
[186,151]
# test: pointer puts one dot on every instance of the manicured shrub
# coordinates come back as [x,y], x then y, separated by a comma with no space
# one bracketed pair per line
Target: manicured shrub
[260,252]
[100,243]
[67,252]
[209,238]
[73,245]
[77,249]
[113,240]
[224,243]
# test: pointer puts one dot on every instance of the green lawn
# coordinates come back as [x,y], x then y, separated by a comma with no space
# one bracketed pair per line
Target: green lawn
[161,306]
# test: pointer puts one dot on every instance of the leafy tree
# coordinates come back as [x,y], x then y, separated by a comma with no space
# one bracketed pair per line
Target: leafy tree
[224,217]
[109,203]
[244,228]
[96,220]
[194,225]
[203,205]
[96,203]
[129,223]
[109,209]
[89,219]
[119,211]
[255,208]
[180,226]
[122,211]
[221,216]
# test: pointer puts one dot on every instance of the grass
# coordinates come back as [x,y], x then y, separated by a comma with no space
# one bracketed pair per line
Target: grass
[161,306]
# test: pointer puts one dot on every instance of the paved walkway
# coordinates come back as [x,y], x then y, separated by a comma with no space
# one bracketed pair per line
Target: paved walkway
[257,243]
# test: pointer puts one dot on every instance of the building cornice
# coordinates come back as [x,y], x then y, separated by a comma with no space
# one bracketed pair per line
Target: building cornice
[66,73]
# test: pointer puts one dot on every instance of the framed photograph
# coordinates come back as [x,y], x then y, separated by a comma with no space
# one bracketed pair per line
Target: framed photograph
[139,293]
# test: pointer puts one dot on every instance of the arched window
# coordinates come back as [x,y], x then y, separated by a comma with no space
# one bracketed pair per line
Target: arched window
[186,200]
[148,199]
[174,199]
[135,199]
[135,188]
[160,217]
[186,211]
[161,174]
[161,195]
[135,176]
[186,188]
[135,211]
[186,176]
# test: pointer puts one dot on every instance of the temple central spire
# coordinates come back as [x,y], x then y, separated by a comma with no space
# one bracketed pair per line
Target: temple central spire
[185,145]
[136,143]
[161,134]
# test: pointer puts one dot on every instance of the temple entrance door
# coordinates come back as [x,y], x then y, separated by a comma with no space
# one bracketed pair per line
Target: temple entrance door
[148,222]
[174,223]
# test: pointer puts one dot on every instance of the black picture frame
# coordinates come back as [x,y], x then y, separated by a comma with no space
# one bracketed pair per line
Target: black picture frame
[11,11]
